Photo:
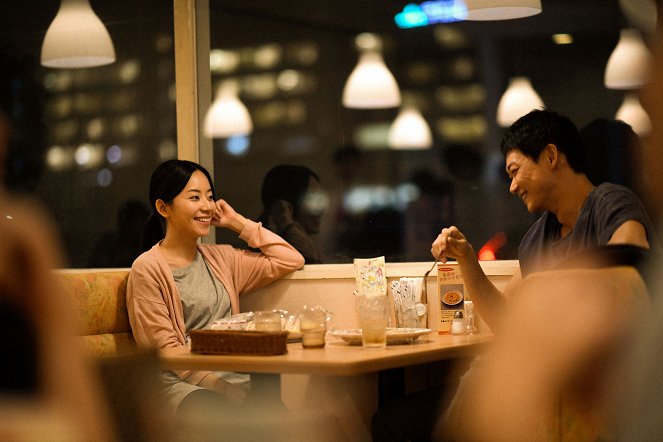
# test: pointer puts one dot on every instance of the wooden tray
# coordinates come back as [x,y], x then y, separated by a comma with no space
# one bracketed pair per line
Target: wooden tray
[240,342]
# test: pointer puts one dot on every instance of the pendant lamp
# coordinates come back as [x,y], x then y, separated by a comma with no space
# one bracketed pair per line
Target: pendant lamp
[76,38]
[370,85]
[518,99]
[410,130]
[227,116]
[631,112]
[482,10]
[628,64]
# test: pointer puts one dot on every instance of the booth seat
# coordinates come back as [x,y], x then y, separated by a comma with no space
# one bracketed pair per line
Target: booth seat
[99,299]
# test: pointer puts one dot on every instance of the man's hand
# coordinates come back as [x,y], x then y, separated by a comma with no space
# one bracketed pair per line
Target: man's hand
[451,243]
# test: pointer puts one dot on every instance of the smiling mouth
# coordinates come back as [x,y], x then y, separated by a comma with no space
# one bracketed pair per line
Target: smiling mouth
[204,219]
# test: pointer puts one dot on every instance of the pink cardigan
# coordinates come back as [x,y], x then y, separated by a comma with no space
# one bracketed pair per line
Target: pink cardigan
[153,301]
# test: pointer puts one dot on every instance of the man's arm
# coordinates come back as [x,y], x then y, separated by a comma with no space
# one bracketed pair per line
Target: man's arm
[488,299]
[630,232]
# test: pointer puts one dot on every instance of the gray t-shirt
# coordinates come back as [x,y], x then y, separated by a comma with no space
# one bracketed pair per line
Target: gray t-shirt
[606,208]
[204,300]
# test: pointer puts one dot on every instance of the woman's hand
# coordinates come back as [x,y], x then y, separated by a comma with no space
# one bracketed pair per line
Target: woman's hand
[451,243]
[225,216]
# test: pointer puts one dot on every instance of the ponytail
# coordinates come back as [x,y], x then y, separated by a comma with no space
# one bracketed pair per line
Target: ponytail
[152,232]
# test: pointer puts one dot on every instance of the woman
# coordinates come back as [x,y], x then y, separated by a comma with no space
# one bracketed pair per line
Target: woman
[293,205]
[179,284]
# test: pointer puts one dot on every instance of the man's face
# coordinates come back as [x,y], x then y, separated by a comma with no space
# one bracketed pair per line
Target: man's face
[530,180]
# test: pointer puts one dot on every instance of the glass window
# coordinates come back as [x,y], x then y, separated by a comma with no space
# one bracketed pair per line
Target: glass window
[289,62]
[86,140]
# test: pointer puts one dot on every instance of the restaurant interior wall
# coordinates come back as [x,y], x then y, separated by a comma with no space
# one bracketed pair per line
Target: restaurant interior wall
[305,125]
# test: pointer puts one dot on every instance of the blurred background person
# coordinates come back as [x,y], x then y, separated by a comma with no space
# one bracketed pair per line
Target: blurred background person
[293,205]
[432,207]
[613,153]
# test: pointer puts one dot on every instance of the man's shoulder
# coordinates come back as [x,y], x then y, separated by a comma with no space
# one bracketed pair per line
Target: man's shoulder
[610,190]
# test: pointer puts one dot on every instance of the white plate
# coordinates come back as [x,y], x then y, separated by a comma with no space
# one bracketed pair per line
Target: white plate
[394,335]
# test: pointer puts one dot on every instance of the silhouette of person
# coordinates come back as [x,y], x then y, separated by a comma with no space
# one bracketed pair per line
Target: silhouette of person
[433,207]
[121,247]
[293,206]
[613,154]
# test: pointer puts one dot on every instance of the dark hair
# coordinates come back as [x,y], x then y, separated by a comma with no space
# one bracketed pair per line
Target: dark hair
[285,182]
[531,133]
[168,180]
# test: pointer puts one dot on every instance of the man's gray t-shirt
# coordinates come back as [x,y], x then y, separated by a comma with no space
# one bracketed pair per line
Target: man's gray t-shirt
[606,208]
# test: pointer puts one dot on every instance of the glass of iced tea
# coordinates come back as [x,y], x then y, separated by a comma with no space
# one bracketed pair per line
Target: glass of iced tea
[373,313]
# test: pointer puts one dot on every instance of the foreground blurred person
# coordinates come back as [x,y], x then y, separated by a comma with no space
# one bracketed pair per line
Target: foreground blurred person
[642,398]
[179,284]
[48,389]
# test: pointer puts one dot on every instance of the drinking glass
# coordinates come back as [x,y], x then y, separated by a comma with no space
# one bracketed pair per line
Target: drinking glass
[267,321]
[373,312]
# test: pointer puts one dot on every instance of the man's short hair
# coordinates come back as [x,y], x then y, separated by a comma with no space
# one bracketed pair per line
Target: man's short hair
[532,132]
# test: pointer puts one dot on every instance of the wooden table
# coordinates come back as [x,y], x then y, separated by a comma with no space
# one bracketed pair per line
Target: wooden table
[341,378]
[337,358]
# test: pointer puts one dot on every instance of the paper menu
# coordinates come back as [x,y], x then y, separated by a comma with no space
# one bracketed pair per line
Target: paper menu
[370,276]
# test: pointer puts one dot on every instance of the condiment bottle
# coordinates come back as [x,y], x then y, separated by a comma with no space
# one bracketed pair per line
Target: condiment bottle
[458,324]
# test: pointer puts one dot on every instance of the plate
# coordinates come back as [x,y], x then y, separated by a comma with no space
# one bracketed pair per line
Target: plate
[394,335]
[452,297]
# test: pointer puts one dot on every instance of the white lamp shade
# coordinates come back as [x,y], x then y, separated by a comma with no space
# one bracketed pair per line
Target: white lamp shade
[410,131]
[518,99]
[371,85]
[481,10]
[631,112]
[227,116]
[76,38]
[628,64]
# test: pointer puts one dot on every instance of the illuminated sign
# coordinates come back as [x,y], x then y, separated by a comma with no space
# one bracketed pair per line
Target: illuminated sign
[431,12]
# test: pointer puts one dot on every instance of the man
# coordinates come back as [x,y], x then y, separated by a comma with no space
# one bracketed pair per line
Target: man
[545,162]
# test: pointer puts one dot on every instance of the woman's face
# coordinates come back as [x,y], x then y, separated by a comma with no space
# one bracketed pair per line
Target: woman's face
[190,213]
[312,208]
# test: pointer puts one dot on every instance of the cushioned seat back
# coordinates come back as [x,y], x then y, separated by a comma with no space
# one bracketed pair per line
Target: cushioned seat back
[100,300]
